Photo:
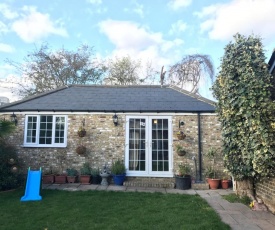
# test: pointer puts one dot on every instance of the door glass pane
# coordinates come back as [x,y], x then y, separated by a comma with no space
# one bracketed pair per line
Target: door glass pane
[160,159]
[137,144]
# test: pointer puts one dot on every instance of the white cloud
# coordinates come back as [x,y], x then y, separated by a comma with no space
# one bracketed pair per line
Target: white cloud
[33,26]
[6,48]
[139,42]
[126,34]
[6,12]
[243,16]
[3,28]
[137,9]
[176,4]
[177,27]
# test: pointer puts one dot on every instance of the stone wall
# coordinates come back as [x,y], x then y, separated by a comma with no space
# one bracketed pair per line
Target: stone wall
[106,142]
[265,190]
[210,137]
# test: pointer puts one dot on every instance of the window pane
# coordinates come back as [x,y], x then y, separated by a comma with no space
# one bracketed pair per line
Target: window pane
[166,166]
[31,129]
[45,134]
[59,129]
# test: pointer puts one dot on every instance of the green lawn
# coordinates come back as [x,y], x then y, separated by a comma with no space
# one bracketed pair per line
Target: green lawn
[60,210]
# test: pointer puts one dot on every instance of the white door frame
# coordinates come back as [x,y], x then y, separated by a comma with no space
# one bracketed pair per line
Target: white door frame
[148,147]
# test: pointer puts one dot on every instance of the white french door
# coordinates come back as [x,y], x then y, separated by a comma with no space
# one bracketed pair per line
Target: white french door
[148,146]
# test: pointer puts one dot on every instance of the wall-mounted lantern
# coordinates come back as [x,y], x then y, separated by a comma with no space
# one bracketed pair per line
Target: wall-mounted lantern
[181,123]
[115,120]
[14,119]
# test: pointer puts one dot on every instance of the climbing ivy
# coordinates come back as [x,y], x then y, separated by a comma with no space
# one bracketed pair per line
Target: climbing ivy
[245,109]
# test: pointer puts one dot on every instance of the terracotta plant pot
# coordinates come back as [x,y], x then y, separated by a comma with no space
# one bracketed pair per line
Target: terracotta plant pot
[214,183]
[60,179]
[71,179]
[85,179]
[225,184]
[48,179]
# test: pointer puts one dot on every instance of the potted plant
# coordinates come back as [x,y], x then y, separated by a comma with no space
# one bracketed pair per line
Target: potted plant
[180,150]
[85,174]
[81,131]
[225,183]
[81,149]
[209,173]
[226,180]
[183,178]
[213,181]
[180,135]
[48,177]
[61,177]
[118,171]
[96,179]
[71,175]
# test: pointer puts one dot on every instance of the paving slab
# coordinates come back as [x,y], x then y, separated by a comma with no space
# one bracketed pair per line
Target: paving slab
[179,191]
[116,188]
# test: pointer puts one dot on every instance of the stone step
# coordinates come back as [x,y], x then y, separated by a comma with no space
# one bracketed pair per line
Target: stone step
[200,186]
[149,184]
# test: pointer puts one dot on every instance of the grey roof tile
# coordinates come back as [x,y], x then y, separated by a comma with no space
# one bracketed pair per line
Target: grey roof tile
[96,98]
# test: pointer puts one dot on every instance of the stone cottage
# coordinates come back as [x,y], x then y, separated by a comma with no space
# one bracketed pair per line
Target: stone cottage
[138,124]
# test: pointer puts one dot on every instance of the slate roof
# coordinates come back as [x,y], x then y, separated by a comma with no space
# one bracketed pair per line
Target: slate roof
[102,98]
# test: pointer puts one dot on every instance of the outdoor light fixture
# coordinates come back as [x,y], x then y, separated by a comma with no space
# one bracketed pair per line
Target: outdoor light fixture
[115,120]
[181,123]
[14,119]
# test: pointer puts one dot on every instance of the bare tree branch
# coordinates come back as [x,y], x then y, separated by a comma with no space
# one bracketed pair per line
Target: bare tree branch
[190,70]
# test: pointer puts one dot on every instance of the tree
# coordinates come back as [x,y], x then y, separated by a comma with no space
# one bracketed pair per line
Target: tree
[190,71]
[245,109]
[122,71]
[44,69]
[126,71]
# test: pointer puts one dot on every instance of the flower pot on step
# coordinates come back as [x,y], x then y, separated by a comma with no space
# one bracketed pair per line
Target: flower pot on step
[214,183]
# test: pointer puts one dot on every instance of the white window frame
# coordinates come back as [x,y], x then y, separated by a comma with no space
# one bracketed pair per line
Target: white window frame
[36,144]
[148,170]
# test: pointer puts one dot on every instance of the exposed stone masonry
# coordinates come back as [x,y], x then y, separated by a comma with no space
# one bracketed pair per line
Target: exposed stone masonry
[106,142]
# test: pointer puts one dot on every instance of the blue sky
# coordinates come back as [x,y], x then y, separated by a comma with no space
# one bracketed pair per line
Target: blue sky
[159,31]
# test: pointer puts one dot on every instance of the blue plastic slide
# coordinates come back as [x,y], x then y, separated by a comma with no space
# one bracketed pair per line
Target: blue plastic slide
[32,191]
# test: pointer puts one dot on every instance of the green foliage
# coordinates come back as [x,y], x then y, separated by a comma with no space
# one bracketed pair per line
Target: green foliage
[71,172]
[245,109]
[118,167]
[212,154]
[95,171]
[184,169]
[6,127]
[86,169]
[233,198]
[9,167]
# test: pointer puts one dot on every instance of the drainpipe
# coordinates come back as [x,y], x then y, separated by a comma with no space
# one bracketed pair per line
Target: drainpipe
[199,147]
